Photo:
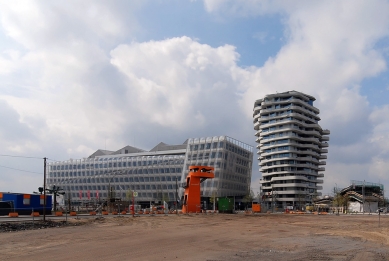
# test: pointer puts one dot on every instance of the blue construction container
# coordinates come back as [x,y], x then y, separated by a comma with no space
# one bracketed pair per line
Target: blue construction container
[24,204]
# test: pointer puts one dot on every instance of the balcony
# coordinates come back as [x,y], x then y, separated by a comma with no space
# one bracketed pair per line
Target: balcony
[321,169]
[320,175]
[323,157]
[322,163]
[256,126]
[323,151]
[325,138]
[324,144]
[326,132]
[257,108]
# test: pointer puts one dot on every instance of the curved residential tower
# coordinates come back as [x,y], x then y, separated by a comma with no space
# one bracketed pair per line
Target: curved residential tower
[291,148]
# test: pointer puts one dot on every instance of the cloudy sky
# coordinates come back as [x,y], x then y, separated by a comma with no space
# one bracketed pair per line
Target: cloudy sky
[76,76]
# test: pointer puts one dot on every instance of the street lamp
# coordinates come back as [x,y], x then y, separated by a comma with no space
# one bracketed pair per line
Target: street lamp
[176,197]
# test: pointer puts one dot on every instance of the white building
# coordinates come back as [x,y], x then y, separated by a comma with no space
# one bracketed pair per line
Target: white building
[291,148]
[155,173]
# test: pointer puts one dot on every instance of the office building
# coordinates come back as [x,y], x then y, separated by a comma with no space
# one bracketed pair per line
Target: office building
[155,175]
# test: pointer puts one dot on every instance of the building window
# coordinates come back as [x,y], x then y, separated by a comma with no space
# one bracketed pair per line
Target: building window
[26,199]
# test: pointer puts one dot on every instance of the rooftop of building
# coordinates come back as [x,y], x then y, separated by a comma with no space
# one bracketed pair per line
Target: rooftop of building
[293,92]
[161,149]
[133,150]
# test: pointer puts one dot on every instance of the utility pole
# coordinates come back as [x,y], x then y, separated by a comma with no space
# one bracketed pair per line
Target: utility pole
[176,197]
[44,188]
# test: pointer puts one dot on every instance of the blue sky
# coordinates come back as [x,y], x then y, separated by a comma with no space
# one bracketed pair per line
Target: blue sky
[256,37]
[76,77]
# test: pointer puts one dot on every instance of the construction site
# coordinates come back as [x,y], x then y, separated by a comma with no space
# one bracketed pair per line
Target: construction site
[205,237]
[192,234]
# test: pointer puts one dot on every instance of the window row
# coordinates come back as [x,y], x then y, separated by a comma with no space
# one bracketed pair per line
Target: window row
[118,164]
[207,155]
[118,180]
[130,171]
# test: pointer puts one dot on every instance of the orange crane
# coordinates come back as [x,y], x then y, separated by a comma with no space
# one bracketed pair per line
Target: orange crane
[197,174]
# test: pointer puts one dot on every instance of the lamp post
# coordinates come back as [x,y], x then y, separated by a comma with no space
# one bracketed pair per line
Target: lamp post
[176,197]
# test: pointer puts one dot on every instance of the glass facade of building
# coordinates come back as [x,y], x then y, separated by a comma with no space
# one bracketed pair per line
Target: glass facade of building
[154,174]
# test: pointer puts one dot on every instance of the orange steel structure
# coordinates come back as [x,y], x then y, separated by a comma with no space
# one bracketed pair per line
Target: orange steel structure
[197,174]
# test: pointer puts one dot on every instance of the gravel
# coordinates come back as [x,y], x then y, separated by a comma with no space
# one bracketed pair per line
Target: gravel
[20,226]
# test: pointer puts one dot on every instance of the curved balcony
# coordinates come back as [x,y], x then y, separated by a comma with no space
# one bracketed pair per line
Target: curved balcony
[293,137]
[265,161]
[293,100]
[324,144]
[256,125]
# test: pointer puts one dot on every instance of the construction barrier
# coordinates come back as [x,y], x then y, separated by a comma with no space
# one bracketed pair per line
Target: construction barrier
[124,212]
[114,212]
[34,214]
[58,214]
[73,213]
[92,213]
[13,214]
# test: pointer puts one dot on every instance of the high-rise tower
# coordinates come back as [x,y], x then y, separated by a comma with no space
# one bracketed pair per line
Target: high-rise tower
[291,148]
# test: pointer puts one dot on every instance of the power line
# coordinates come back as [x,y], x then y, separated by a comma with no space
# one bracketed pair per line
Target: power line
[13,156]
[20,170]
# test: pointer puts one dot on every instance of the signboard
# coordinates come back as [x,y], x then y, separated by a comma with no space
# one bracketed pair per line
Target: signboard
[135,194]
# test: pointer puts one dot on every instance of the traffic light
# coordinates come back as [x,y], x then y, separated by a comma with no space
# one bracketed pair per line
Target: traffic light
[40,189]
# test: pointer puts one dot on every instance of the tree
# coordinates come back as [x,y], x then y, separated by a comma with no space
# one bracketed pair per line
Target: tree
[165,197]
[249,197]
[212,199]
[340,201]
[129,195]
[55,191]
[301,197]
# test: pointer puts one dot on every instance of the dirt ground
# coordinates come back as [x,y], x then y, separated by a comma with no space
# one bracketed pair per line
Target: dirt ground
[205,237]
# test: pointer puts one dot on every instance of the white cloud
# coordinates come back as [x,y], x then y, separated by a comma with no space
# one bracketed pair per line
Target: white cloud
[173,80]
[78,79]
[329,50]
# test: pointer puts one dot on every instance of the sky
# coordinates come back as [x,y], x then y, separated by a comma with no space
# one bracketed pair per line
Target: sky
[80,76]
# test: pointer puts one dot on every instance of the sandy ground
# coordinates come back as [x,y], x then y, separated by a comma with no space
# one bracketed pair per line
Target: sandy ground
[206,237]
